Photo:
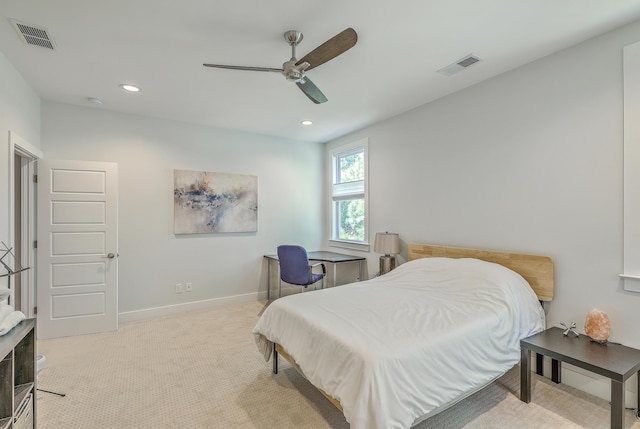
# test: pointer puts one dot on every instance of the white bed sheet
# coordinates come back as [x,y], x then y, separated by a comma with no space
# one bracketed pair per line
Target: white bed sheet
[396,347]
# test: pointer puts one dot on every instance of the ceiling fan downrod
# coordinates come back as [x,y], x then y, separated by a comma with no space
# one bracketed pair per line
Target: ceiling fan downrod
[293,37]
[291,71]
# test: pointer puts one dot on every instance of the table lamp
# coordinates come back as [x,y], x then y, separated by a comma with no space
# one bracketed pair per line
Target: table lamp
[389,244]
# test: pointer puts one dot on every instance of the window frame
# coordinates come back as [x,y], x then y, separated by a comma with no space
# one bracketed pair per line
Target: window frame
[631,176]
[349,190]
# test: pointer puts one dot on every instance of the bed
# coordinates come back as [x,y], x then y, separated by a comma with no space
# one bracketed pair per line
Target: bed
[392,351]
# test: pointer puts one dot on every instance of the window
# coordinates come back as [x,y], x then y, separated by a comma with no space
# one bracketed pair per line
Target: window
[349,193]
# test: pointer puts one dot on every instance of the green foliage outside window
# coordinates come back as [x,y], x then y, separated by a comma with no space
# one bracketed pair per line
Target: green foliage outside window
[351,221]
[351,216]
[351,167]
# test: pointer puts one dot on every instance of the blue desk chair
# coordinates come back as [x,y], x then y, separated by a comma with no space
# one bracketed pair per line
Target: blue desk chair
[295,268]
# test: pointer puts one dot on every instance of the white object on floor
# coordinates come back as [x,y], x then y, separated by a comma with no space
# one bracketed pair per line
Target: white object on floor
[40,361]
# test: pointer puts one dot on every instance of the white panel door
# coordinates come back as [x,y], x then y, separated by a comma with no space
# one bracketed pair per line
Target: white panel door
[77,279]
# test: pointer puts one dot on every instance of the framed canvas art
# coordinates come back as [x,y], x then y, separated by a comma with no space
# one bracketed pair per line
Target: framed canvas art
[206,202]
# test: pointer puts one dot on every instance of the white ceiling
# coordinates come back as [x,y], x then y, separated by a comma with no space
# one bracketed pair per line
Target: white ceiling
[160,45]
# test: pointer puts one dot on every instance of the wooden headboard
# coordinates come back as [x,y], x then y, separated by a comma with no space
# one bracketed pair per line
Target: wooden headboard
[537,270]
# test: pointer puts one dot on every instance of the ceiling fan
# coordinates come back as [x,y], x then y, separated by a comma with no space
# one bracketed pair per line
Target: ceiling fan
[294,69]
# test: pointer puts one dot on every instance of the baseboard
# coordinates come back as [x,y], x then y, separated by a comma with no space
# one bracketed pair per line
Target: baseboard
[150,313]
[591,383]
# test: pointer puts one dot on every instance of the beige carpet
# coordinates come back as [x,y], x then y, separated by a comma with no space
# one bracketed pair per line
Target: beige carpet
[202,370]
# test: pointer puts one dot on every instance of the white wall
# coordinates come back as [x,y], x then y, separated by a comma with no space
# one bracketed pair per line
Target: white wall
[529,161]
[19,105]
[152,259]
[20,114]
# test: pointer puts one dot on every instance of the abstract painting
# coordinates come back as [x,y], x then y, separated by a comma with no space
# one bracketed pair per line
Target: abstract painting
[207,202]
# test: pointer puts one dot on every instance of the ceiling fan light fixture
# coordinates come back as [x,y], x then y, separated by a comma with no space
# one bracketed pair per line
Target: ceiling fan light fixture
[129,88]
[306,122]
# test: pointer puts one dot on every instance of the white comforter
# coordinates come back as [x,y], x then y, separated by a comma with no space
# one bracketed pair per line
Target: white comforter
[394,348]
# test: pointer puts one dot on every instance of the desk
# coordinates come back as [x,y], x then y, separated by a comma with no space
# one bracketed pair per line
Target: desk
[321,256]
[613,361]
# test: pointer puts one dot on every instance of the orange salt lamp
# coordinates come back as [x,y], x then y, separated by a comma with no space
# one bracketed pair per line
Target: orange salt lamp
[597,326]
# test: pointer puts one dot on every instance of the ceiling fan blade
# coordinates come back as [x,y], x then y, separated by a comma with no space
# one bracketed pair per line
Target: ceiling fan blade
[311,91]
[264,69]
[331,48]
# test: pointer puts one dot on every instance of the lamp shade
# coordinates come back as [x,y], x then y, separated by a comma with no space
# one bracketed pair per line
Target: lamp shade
[387,243]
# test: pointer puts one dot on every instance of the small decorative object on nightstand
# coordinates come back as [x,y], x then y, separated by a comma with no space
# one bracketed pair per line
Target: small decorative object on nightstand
[570,328]
[597,326]
[389,244]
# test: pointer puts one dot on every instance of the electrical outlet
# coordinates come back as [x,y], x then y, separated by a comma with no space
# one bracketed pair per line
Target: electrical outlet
[188,287]
[179,288]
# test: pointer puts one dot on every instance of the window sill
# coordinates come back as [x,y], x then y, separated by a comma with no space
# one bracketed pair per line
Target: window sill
[629,276]
[364,247]
[631,283]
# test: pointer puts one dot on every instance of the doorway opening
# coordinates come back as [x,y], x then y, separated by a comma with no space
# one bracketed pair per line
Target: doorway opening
[22,221]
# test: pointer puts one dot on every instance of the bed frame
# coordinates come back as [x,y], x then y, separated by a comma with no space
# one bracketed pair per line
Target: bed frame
[537,270]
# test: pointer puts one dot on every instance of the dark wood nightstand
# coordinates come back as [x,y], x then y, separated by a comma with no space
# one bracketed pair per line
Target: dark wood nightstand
[614,361]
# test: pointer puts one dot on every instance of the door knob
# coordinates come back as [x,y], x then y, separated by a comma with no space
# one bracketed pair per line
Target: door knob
[110,256]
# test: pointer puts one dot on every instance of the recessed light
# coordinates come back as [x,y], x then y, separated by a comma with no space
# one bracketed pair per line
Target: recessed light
[306,122]
[129,88]
[94,100]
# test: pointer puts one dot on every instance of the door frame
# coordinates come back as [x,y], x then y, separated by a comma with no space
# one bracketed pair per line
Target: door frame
[29,154]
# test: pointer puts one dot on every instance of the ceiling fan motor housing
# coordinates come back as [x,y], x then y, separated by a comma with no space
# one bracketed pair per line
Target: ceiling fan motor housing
[293,72]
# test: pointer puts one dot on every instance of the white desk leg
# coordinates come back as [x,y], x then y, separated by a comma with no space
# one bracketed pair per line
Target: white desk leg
[268,279]
[279,282]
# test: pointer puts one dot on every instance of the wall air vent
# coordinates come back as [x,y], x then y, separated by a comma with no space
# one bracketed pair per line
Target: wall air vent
[460,65]
[34,35]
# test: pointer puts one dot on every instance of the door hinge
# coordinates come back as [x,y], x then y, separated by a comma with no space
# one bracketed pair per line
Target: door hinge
[35,244]
[35,178]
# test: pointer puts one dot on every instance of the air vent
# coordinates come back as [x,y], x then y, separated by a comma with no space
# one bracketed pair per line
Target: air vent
[34,35]
[460,65]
